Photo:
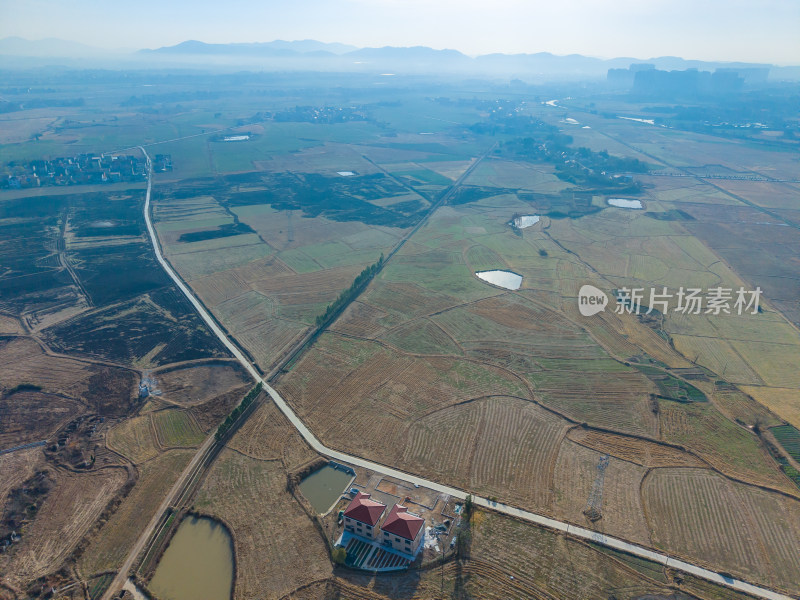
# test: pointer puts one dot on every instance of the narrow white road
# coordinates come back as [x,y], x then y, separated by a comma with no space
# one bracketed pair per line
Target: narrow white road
[311,439]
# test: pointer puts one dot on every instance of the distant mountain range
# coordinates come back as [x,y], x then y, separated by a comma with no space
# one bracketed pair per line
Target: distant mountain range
[276,48]
[320,56]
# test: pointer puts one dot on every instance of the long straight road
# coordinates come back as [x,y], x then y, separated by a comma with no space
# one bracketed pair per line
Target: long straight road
[311,439]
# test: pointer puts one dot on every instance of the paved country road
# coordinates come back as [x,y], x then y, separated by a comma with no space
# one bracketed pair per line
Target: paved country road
[310,438]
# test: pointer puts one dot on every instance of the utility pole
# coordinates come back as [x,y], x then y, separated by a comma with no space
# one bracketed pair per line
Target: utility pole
[442,568]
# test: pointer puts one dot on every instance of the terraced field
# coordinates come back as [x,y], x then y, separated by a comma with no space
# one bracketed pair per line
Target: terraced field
[134,439]
[176,429]
[703,515]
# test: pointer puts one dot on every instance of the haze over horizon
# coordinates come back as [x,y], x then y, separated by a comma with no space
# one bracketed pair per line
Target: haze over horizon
[716,30]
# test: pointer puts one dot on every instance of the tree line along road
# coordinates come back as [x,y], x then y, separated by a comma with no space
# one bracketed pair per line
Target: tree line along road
[311,440]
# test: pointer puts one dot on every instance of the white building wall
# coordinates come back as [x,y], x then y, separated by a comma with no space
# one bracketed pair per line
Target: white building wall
[359,528]
[401,544]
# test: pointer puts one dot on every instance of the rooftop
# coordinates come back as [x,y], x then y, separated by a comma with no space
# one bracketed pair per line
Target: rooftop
[362,509]
[403,523]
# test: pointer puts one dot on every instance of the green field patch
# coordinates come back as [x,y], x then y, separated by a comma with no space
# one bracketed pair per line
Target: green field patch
[602,365]
[253,210]
[789,438]
[438,272]
[197,264]
[339,254]
[370,238]
[423,337]
[299,261]
[481,258]
[303,313]
[425,176]
[176,428]
[670,387]
[726,445]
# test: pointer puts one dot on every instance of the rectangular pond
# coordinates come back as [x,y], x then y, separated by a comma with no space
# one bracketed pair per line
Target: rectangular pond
[324,487]
[624,203]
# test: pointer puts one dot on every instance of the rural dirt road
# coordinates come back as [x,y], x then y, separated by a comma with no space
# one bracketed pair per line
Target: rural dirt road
[312,441]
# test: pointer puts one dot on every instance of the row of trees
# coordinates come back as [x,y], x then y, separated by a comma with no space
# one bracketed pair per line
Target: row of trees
[347,295]
[226,425]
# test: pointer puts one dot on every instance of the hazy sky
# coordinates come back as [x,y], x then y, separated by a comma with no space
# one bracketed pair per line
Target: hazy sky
[755,30]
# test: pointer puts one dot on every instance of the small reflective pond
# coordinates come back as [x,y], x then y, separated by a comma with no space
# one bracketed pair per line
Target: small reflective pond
[624,203]
[503,279]
[525,221]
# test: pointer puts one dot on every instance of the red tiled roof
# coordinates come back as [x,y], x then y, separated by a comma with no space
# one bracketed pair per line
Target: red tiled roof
[401,522]
[362,509]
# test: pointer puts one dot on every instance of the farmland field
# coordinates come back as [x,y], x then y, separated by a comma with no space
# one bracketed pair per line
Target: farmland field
[176,428]
[63,519]
[426,305]
[271,559]
[199,383]
[686,423]
[134,439]
[707,516]
[108,547]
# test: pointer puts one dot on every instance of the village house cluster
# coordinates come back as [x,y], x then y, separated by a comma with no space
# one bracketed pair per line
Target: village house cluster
[81,169]
[401,530]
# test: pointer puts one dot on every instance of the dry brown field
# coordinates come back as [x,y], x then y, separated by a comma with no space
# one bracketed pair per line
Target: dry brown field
[541,564]
[721,443]
[10,325]
[66,515]
[24,362]
[109,546]
[192,385]
[620,402]
[277,547]
[16,467]
[494,446]
[621,507]
[700,514]
[635,450]
[267,435]
[33,416]
[134,439]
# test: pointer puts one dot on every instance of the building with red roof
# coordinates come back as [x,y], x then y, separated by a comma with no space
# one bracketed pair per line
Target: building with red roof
[362,515]
[402,530]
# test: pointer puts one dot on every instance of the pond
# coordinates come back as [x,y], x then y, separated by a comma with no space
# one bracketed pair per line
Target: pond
[324,487]
[525,221]
[198,563]
[503,279]
[624,203]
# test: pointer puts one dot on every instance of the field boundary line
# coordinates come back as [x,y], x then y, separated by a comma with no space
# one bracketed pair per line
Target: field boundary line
[316,445]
